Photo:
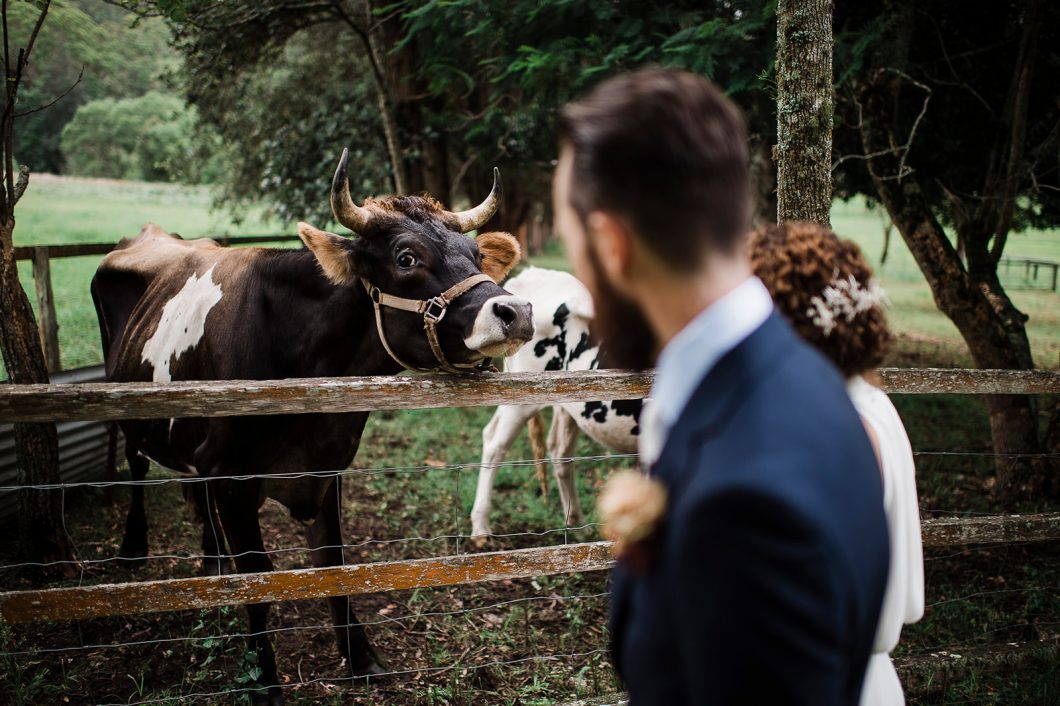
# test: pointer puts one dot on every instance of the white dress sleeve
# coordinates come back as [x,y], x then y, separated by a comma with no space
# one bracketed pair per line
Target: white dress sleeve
[903,600]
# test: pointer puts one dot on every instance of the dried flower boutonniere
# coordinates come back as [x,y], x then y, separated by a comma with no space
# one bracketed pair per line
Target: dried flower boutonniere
[632,506]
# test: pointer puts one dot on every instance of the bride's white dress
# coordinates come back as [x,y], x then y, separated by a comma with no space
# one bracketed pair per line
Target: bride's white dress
[903,601]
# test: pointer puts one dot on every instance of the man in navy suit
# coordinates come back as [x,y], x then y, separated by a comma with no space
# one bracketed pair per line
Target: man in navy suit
[763,582]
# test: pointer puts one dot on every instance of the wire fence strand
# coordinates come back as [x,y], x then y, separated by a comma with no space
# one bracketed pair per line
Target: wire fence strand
[426,468]
[354,679]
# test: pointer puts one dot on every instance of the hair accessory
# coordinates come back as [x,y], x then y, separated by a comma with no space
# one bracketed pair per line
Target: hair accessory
[844,298]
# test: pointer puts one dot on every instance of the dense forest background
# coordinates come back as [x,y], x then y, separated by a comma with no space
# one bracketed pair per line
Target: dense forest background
[111,107]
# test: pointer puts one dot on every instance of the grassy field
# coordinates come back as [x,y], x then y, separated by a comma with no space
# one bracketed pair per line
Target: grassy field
[60,210]
[978,597]
[921,328]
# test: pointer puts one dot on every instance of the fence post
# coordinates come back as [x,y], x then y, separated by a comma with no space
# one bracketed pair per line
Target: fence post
[46,320]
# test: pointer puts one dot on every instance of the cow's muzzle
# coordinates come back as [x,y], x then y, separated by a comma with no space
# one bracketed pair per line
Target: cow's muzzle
[502,326]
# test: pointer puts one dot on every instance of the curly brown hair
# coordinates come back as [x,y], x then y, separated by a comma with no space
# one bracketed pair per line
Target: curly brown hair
[797,261]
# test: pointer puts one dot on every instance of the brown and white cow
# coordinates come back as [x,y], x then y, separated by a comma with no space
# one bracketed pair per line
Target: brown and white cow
[409,291]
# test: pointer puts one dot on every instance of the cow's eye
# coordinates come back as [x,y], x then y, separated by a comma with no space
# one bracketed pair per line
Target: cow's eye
[406,259]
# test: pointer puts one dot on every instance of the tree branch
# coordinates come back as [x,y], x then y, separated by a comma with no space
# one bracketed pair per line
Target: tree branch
[23,55]
[1021,85]
[13,79]
[5,118]
[21,184]
[7,51]
[58,98]
[899,149]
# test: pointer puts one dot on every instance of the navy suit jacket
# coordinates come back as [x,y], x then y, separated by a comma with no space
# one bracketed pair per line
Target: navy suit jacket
[769,572]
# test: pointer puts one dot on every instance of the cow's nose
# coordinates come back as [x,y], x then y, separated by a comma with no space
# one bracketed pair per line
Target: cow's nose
[503,325]
[517,318]
[505,312]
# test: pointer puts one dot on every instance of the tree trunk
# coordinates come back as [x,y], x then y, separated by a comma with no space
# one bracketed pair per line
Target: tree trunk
[804,110]
[384,97]
[763,183]
[972,297]
[42,534]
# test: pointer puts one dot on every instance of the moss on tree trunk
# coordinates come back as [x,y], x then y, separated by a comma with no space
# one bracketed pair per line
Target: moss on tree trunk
[804,110]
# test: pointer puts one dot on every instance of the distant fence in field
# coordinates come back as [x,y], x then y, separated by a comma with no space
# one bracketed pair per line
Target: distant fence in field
[1031,267]
[107,401]
[42,255]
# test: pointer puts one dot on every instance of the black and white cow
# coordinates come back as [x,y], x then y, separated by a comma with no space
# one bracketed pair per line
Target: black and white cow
[563,311]
[410,291]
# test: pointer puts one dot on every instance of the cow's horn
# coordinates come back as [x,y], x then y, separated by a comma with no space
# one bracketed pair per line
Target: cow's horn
[476,217]
[346,211]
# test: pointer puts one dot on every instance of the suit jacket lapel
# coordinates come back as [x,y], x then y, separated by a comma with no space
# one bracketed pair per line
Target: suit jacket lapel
[721,391]
[716,398]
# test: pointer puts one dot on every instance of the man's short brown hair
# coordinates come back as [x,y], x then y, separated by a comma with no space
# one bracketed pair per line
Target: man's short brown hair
[667,151]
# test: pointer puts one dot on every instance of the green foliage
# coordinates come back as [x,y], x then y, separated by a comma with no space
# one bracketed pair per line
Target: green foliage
[522,60]
[117,59]
[477,84]
[149,138]
[282,145]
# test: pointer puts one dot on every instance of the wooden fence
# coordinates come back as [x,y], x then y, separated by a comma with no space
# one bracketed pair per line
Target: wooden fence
[87,449]
[42,255]
[145,400]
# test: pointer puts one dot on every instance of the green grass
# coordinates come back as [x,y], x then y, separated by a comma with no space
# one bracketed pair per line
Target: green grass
[914,316]
[60,210]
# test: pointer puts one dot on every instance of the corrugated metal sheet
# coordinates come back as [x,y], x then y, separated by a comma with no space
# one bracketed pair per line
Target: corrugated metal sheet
[82,447]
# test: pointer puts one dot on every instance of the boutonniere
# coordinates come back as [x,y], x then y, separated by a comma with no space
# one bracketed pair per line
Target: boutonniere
[632,507]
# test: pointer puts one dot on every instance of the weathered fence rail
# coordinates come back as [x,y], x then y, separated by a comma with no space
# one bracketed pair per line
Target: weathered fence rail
[103,401]
[29,252]
[379,577]
[42,255]
[107,401]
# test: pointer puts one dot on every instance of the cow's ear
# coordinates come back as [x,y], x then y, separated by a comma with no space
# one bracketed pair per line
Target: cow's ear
[500,253]
[333,252]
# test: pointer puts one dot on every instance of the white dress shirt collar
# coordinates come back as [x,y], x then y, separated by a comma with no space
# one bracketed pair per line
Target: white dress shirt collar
[691,354]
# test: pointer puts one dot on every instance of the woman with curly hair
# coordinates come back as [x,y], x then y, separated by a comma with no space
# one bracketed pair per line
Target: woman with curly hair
[826,290]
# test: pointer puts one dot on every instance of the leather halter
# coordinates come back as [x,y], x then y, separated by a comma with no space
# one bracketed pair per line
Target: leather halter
[433,310]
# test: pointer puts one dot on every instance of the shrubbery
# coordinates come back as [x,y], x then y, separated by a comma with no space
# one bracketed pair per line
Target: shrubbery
[151,138]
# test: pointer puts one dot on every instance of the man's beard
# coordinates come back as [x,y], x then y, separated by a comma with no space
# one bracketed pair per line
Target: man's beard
[626,339]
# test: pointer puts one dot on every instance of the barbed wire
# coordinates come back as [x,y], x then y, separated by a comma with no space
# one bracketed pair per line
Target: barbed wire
[985,633]
[368,680]
[287,550]
[421,468]
[982,594]
[983,547]
[411,617]
[382,470]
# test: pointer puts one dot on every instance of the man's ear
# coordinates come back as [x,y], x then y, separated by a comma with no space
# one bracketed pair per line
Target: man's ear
[333,252]
[500,253]
[612,241]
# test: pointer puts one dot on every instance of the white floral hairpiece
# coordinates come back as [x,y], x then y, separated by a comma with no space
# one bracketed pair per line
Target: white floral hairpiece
[844,298]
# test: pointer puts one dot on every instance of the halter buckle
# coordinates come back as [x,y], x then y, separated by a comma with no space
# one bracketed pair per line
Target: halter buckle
[435,310]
